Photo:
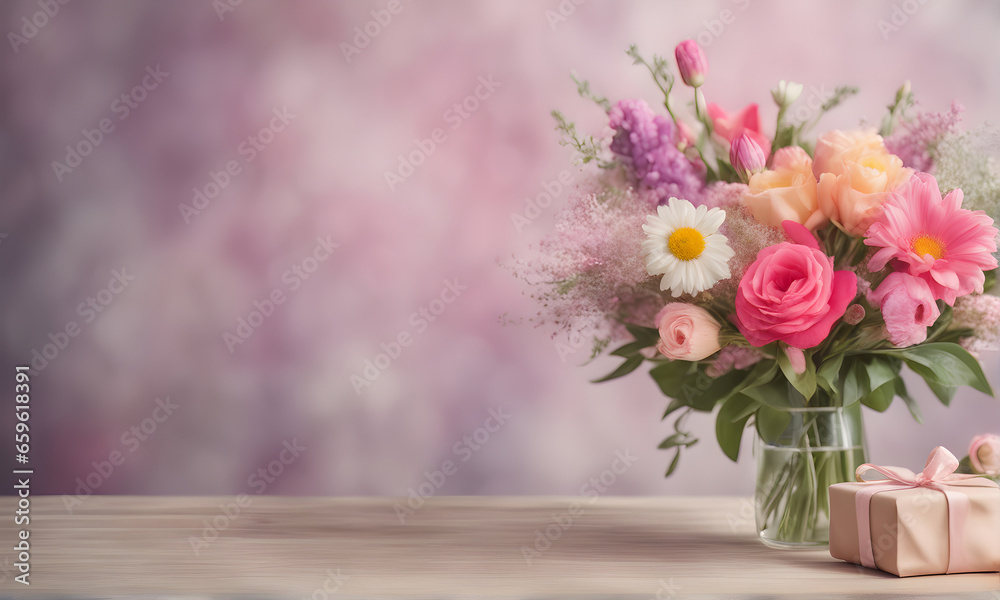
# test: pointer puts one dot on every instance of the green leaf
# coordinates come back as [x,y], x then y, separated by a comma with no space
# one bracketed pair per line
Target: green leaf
[703,392]
[910,402]
[804,382]
[674,406]
[647,335]
[946,364]
[762,374]
[881,370]
[631,364]
[828,374]
[776,393]
[771,423]
[670,376]
[944,393]
[855,384]
[681,438]
[728,429]
[674,463]
[881,397]
[749,410]
[630,349]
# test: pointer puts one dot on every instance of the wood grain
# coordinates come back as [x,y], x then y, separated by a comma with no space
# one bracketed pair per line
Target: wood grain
[452,546]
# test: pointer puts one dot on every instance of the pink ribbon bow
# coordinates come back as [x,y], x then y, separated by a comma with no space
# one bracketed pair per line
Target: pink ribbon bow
[938,474]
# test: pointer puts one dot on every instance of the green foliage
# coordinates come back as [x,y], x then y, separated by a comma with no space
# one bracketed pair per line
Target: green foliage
[771,422]
[589,149]
[765,393]
[795,135]
[804,382]
[660,70]
[897,109]
[729,424]
[583,88]
[680,439]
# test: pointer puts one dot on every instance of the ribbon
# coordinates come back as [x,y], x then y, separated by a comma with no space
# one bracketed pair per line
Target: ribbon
[938,474]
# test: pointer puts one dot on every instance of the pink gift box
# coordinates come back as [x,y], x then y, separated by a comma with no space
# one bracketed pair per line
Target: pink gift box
[928,523]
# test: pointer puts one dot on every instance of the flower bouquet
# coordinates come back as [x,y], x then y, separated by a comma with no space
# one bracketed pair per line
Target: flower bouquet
[779,281]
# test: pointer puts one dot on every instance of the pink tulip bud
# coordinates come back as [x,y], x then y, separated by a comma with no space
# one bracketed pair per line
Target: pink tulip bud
[746,156]
[798,359]
[691,62]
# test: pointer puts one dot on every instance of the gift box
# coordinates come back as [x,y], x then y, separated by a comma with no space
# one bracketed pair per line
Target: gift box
[927,523]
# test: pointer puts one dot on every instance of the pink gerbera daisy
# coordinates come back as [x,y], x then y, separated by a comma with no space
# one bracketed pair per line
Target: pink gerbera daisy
[936,240]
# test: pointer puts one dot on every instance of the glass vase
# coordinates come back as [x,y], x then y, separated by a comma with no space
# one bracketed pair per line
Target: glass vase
[819,447]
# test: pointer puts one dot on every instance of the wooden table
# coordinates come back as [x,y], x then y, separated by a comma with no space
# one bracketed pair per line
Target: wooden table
[512,547]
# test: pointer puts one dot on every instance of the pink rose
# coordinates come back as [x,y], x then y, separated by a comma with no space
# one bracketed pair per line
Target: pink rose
[687,332]
[984,454]
[908,308]
[791,293]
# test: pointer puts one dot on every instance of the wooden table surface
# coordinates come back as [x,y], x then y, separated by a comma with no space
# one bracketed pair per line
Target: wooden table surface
[282,547]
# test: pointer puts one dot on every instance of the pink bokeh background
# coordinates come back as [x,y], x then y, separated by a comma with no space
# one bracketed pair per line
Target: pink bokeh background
[323,175]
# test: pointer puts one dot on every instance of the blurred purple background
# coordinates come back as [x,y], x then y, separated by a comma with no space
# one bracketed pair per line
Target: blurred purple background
[274,185]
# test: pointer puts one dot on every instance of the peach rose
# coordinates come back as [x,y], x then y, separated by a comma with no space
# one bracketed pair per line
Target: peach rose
[836,147]
[786,192]
[687,332]
[856,176]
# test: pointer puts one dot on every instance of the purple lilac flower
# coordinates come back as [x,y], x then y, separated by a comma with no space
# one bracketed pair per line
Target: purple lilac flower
[646,144]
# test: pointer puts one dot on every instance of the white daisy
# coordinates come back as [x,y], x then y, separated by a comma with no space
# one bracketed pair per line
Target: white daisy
[683,244]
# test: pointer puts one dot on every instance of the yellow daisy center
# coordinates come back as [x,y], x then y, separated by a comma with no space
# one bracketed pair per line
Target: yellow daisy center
[925,244]
[686,243]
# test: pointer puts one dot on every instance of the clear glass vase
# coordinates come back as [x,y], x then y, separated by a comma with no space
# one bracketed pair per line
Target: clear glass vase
[819,447]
